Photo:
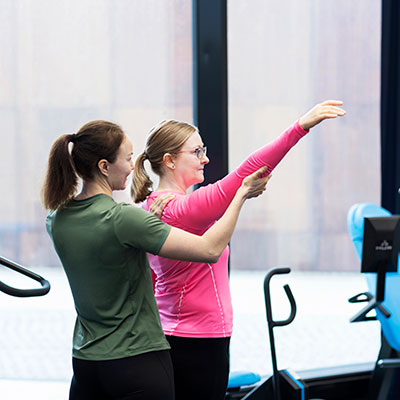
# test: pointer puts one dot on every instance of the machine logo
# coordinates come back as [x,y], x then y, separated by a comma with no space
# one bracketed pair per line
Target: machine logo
[384,246]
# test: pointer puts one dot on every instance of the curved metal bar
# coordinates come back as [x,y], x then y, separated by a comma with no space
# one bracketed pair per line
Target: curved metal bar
[293,308]
[272,324]
[361,297]
[23,292]
[289,294]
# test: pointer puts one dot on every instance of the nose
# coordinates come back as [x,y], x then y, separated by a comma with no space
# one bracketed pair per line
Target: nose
[205,160]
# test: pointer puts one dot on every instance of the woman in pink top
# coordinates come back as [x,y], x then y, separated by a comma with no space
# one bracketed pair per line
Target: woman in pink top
[194,298]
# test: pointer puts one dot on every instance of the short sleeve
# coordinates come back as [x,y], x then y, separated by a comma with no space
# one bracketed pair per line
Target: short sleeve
[134,227]
[49,223]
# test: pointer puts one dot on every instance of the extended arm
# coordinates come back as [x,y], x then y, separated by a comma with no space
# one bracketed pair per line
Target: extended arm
[208,203]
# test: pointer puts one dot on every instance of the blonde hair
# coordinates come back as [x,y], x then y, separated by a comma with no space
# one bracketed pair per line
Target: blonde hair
[166,137]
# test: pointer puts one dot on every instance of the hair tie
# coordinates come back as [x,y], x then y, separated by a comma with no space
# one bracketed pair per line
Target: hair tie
[72,137]
[145,155]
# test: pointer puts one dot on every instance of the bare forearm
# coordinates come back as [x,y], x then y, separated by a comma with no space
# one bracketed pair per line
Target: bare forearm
[209,247]
[219,235]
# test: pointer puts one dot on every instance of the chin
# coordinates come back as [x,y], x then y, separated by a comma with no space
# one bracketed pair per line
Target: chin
[199,181]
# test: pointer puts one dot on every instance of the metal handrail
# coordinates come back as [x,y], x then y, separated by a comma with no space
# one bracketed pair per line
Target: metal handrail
[23,292]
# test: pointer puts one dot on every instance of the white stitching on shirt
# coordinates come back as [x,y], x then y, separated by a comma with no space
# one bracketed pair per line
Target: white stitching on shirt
[219,303]
[179,309]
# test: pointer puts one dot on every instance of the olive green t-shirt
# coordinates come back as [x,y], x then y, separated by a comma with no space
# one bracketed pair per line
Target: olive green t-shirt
[102,246]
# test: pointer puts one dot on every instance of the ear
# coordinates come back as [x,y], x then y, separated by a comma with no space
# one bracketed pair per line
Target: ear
[103,166]
[169,160]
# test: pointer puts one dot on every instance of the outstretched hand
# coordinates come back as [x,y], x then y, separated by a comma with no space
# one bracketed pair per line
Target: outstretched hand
[158,205]
[325,110]
[256,183]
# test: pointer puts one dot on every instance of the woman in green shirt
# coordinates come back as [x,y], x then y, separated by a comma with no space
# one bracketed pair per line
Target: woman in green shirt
[119,349]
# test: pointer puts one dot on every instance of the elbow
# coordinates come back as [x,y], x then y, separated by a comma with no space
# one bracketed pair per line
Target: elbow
[211,250]
[214,256]
[213,260]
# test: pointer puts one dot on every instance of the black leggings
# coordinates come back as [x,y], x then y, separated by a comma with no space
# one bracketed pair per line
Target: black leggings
[147,376]
[201,367]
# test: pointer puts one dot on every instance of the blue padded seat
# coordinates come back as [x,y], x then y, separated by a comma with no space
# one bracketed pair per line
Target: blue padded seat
[242,378]
[390,326]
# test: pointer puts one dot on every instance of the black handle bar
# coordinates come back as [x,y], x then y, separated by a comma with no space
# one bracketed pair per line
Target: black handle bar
[272,324]
[23,292]
[270,274]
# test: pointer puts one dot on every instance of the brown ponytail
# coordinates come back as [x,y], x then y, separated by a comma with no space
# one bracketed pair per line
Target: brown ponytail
[95,141]
[167,137]
[142,185]
[61,180]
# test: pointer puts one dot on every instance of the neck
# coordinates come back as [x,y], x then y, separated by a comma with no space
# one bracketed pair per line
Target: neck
[90,189]
[169,183]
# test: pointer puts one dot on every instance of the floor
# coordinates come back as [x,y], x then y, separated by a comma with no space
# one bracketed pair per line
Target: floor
[36,333]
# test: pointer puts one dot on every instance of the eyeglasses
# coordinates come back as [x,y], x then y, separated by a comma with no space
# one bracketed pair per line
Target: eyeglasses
[199,151]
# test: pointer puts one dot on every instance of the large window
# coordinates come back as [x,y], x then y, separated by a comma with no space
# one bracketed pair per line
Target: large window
[284,57]
[67,62]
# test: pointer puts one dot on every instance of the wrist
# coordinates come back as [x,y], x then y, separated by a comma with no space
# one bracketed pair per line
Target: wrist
[303,124]
[242,193]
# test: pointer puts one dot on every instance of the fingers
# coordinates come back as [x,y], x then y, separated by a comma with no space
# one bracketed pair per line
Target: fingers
[158,205]
[268,177]
[163,200]
[260,175]
[330,115]
[328,111]
[260,172]
[324,110]
[257,191]
[258,185]
[332,102]
[168,197]
[264,180]
[334,110]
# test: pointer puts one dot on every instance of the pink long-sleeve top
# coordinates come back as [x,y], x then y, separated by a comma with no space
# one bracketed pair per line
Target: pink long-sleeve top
[194,298]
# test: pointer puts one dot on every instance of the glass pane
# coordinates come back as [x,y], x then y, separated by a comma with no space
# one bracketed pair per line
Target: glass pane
[284,57]
[65,63]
